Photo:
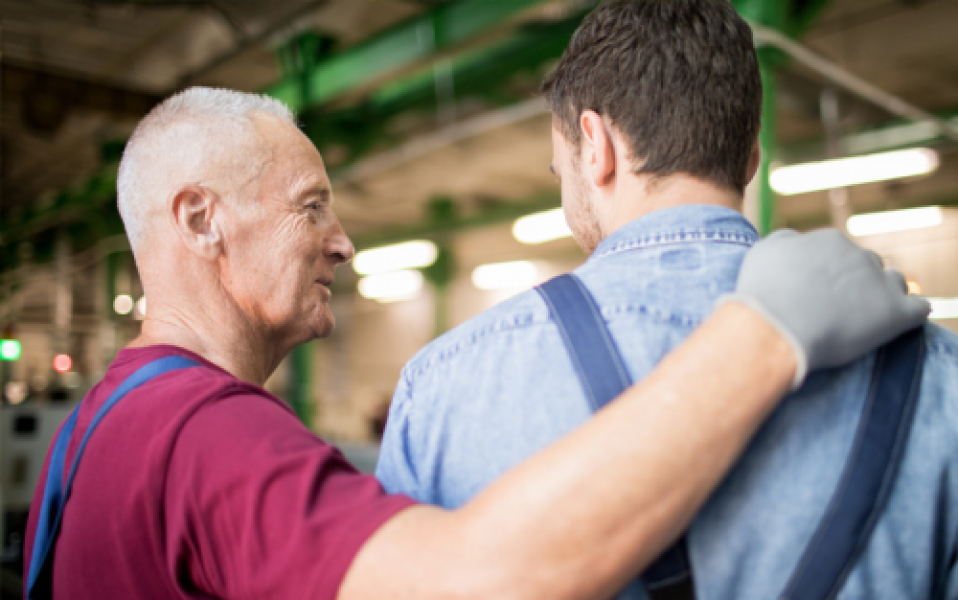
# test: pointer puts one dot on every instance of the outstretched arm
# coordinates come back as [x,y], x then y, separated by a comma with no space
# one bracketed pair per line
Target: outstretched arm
[582,517]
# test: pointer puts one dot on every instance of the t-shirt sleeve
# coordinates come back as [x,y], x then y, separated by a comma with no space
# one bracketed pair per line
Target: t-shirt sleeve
[258,506]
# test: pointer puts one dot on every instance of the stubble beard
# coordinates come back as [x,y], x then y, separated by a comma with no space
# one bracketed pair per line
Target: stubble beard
[582,217]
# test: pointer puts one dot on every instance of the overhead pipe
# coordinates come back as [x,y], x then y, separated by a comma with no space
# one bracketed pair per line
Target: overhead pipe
[444,137]
[839,198]
[850,82]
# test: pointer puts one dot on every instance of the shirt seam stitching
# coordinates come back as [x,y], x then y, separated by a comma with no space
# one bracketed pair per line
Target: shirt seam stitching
[527,320]
[679,237]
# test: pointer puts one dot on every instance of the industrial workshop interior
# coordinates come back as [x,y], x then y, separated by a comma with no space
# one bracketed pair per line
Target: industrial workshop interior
[437,141]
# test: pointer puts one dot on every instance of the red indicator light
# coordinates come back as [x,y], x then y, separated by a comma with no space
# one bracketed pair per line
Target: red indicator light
[62,363]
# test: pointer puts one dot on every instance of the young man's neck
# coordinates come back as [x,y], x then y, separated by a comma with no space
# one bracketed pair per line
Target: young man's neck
[640,195]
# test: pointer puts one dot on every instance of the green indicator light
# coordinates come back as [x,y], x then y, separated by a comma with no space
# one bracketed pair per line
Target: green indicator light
[9,349]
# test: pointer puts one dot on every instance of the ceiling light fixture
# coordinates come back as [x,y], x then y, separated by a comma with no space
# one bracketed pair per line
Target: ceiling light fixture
[516,275]
[943,308]
[844,172]
[407,255]
[391,287]
[541,227]
[123,304]
[894,220]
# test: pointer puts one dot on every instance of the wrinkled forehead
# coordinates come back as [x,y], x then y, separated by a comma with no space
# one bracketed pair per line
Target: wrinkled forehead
[294,164]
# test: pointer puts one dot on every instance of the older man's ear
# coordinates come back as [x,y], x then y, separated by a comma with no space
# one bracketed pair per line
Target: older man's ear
[194,207]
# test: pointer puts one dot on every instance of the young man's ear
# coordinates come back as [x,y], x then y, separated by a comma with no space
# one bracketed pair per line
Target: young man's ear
[193,211]
[598,149]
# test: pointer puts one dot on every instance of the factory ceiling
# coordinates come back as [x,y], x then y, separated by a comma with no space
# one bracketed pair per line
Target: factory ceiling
[422,108]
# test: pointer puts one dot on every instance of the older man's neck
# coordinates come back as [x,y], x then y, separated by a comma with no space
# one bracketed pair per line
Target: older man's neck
[637,196]
[234,348]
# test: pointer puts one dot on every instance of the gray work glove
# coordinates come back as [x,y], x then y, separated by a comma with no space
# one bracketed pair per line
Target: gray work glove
[829,298]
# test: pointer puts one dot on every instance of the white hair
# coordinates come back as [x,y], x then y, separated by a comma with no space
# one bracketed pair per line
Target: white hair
[185,139]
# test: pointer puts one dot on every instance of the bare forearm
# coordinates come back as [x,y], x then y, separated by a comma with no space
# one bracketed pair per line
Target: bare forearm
[587,514]
[602,503]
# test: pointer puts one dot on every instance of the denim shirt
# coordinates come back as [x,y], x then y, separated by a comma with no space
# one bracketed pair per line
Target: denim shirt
[490,393]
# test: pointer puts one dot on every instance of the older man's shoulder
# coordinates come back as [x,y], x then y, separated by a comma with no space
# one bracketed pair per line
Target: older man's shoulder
[186,386]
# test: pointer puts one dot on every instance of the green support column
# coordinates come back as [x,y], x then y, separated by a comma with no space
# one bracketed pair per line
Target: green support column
[112,269]
[441,322]
[774,14]
[768,60]
[300,385]
[791,18]
[440,274]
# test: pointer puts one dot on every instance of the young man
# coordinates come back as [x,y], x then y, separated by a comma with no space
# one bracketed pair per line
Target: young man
[656,110]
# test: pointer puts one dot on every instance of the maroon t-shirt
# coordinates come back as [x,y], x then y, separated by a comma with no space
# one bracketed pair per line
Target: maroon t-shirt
[199,485]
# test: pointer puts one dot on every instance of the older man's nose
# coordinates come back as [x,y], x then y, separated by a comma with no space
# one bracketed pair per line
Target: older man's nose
[338,245]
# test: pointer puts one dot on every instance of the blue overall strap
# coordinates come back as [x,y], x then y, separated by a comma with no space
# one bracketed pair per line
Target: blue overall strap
[56,494]
[595,358]
[869,474]
[603,376]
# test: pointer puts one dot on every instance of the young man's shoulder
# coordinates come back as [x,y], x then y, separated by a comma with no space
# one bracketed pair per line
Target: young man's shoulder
[523,311]
[940,380]
[941,342]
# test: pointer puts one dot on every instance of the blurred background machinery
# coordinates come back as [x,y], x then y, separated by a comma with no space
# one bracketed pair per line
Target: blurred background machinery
[427,116]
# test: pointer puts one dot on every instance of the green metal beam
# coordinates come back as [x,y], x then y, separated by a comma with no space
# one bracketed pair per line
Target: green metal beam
[771,13]
[484,73]
[400,47]
[792,17]
[803,14]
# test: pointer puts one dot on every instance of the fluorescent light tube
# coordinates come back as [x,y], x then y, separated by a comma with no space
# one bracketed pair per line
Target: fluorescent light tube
[943,308]
[894,220]
[541,227]
[407,255]
[844,172]
[391,287]
[520,274]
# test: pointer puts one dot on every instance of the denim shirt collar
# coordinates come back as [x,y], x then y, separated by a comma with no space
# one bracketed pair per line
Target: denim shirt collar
[681,224]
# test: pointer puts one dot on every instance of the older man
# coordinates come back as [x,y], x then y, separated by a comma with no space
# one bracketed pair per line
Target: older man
[201,484]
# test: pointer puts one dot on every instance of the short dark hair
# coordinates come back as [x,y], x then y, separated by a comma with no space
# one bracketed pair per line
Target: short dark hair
[679,79]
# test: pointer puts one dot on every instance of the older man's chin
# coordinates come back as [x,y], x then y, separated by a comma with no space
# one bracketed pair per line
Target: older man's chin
[325,325]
